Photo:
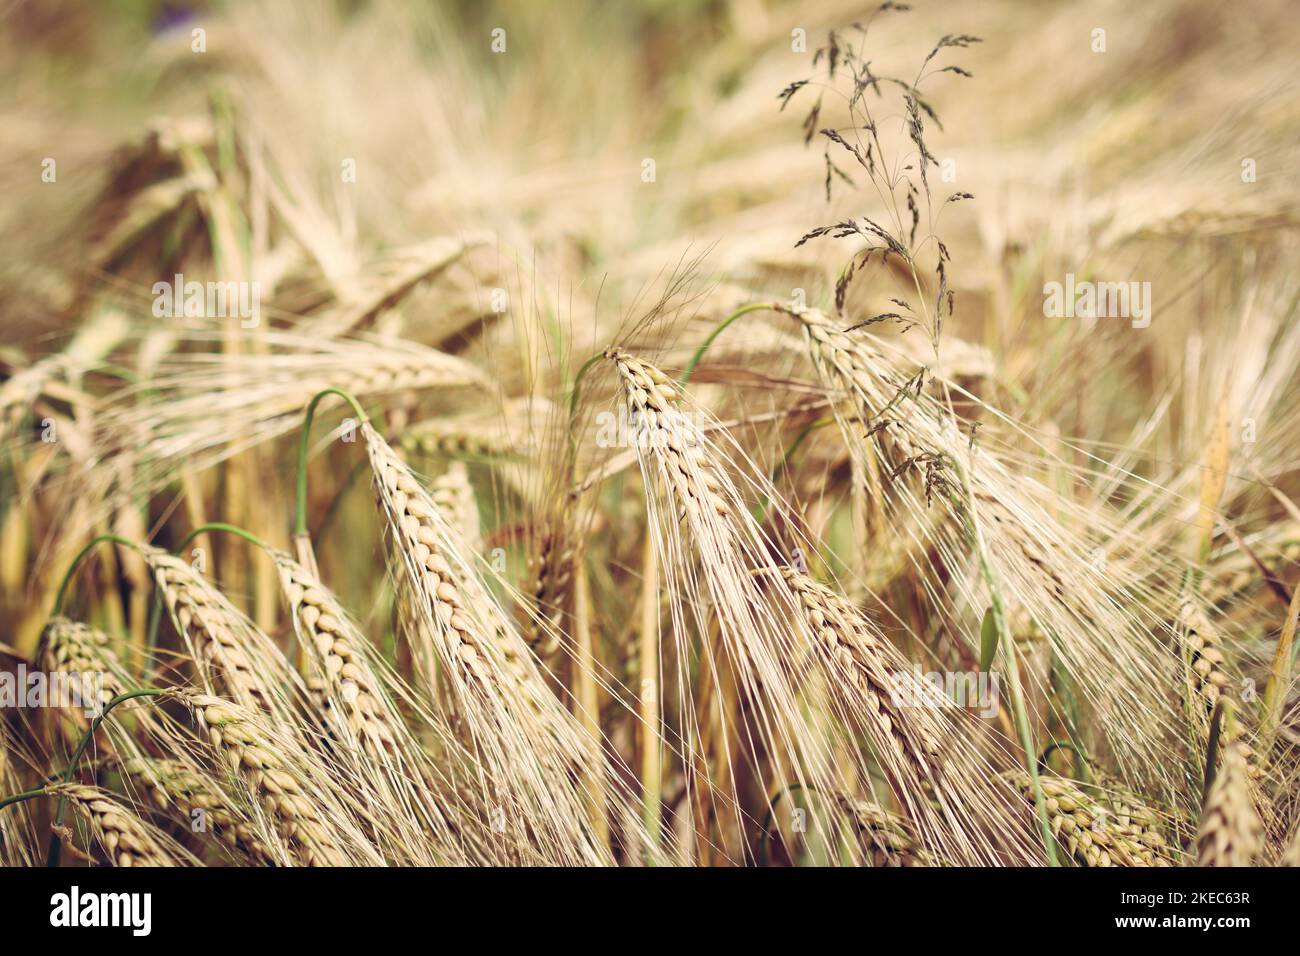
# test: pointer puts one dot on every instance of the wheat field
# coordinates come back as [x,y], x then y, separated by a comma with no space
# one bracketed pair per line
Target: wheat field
[748,433]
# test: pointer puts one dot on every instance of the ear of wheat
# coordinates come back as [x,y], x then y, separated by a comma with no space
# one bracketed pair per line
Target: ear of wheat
[178,786]
[231,655]
[1230,832]
[124,838]
[1095,834]
[309,824]
[886,837]
[532,748]
[87,656]
[360,701]
[1033,553]
[918,747]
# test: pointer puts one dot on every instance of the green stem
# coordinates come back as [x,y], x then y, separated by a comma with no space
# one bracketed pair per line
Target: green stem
[20,797]
[222,526]
[1008,646]
[577,381]
[718,329]
[300,525]
[760,510]
[53,858]
[67,576]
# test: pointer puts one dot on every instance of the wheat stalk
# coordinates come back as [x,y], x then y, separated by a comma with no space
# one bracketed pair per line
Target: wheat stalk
[531,744]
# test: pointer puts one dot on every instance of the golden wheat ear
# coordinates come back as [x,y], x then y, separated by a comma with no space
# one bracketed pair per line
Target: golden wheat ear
[192,798]
[124,838]
[303,816]
[363,707]
[1230,832]
[1090,611]
[534,755]
[231,655]
[711,553]
[930,753]
[207,406]
[1097,832]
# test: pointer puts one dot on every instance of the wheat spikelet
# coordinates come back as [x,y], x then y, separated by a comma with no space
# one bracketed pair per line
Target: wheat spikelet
[125,838]
[215,406]
[780,629]
[286,782]
[87,655]
[885,837]
[549,585]
[357,695]
[1206,678]
[438,437]
[74,648]
[1230,832]
[232,656]
[347,685]
[1033,553]
[752,618]
[512,433]
[531,745]
[482,650]
[453,493]
[906,720]
[1094,834]
[175,783]
[860,657]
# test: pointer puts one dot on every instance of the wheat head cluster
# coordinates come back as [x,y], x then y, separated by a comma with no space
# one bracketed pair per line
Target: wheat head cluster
[634,435]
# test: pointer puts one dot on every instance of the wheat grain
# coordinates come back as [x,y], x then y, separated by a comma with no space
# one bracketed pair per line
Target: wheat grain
[232,656]
[531,744]
[886,837]
[1206,678]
